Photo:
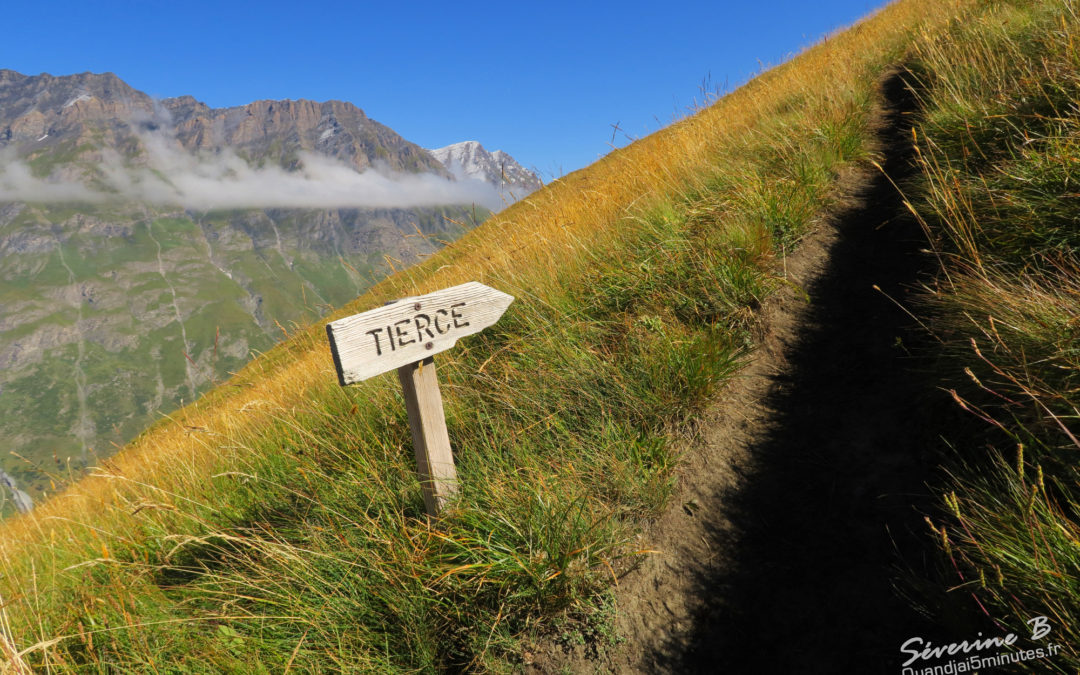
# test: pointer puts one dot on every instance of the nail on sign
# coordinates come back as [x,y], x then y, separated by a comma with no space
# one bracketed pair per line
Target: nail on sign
[411,329]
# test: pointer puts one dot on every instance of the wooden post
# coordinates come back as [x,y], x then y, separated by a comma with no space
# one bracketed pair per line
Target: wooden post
[434,461]
[404,335]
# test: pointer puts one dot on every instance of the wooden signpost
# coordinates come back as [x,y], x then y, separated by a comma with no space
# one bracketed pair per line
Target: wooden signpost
[405,334]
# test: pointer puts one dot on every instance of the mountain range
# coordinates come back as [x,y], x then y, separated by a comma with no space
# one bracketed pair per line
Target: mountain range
[149,246]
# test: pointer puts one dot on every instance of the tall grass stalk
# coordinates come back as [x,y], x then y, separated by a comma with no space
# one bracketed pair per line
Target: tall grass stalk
[997,145]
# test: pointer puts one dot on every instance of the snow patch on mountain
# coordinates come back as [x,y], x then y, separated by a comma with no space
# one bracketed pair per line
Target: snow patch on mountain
[80,97]
[469,159]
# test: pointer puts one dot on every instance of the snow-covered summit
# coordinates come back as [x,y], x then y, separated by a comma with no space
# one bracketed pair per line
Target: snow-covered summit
[469,159]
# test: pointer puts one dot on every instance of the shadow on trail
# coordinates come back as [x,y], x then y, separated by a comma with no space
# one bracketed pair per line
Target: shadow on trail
[832,507]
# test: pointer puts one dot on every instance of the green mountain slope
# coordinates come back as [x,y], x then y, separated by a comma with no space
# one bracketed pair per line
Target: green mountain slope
[113,317]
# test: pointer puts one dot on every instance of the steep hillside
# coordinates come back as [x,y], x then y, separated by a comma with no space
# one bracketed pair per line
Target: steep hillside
[277,523]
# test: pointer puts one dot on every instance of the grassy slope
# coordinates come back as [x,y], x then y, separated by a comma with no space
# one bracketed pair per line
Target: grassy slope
[276,523]
[998,145]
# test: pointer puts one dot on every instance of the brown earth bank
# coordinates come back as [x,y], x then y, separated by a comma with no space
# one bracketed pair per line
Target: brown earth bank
[796,541]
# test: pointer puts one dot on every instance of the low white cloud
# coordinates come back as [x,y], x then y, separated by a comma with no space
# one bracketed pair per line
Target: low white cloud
[17,183]
[173,176]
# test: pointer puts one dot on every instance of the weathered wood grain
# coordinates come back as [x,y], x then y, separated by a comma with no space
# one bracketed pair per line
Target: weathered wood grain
[427,421]
[411,329]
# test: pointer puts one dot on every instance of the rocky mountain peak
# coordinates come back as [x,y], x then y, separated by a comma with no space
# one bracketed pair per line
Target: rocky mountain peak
[45,93]
[470,159]
[7,76]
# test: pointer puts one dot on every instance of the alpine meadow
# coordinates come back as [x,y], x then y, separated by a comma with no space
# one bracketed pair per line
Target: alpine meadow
[276,523]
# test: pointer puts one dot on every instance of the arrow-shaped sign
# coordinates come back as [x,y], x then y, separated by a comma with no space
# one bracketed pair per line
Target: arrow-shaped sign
[411,329]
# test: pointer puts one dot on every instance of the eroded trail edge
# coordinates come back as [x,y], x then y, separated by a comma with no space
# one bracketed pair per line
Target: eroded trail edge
[798,521]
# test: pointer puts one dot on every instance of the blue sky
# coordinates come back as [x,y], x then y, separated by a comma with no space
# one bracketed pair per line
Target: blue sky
[544,81]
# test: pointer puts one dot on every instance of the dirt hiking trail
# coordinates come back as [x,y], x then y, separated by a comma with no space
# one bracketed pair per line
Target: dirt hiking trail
[798,520]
